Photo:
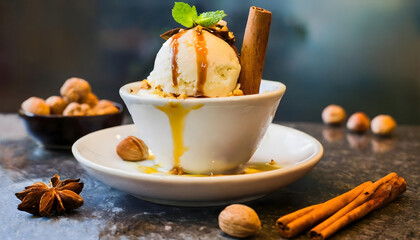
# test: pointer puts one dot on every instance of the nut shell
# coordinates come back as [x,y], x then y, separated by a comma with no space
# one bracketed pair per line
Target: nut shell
[132,149]
[383,124]
[333,114]
[240,221]
[36,106]
[358,122]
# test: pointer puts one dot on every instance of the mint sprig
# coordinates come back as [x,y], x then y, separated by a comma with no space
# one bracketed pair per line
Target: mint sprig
[208,19]
[187,16]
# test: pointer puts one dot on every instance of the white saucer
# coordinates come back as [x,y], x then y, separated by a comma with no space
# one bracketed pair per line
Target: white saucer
[295,151]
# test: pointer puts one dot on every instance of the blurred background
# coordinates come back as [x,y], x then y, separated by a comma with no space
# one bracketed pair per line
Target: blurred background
[363,55]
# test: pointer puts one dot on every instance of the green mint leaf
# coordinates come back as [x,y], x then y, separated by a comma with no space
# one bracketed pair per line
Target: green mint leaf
[184,14]
[208,19]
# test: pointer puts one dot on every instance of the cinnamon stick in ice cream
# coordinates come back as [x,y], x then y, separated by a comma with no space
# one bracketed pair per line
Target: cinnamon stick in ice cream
[253,50]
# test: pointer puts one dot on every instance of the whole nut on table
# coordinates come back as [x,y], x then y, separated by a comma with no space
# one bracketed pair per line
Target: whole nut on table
[240,221]
[132,149]
[333,114]
[358,122]
[383,124]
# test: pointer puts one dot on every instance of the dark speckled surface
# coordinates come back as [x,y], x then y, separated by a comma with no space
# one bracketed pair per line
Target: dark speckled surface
[108,213]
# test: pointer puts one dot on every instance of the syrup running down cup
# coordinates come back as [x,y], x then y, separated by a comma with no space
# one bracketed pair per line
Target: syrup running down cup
[203,135]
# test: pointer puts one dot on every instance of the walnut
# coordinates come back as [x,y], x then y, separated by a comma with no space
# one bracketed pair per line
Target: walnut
[75,89]
[77,109]
[91,99]
[36,106]
[57,104]
[105,107]
[87,109]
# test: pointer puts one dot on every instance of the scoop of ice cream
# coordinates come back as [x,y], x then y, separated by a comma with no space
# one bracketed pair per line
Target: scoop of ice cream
[196,63]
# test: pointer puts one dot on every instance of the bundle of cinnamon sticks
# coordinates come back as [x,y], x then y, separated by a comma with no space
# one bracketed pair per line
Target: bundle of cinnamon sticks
[342,210]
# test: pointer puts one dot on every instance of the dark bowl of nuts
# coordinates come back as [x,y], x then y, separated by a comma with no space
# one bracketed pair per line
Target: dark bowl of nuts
[58,121]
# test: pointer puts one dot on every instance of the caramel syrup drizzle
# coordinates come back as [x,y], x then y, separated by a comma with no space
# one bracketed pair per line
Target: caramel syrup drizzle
[176,114]
[175,45]
[201,59]
[201,52]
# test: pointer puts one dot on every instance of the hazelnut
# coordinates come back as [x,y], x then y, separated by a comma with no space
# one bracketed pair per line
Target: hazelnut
[56,104]
[383,125]
[75,89]
[91,99]
[77,109]
[238,220]
[132,149]
[358,122]
[36,106]
[105,107]
[333,114]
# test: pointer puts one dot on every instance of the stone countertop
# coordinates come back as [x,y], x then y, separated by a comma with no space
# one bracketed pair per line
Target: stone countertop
[348,160]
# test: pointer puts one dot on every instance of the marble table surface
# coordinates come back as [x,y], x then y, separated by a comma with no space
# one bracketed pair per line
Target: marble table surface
[349,160]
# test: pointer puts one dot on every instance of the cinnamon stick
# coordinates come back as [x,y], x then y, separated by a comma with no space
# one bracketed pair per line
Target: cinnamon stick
[299,222]
[283,221]
[362,198]
[253,50]
[387,192]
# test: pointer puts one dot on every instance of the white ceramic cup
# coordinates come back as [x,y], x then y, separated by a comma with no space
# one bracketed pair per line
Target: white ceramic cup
[219,134]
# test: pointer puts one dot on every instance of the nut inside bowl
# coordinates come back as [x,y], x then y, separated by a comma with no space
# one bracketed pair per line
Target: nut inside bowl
[203,135]
[60,132]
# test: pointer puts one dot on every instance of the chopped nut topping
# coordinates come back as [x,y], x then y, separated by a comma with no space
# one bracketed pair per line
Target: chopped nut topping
[237,91]
[176,171]
[230,35]
[158,88]
[182,96]
[144,84]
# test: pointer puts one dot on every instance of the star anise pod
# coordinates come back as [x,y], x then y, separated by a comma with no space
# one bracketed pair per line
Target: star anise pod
[55,198]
